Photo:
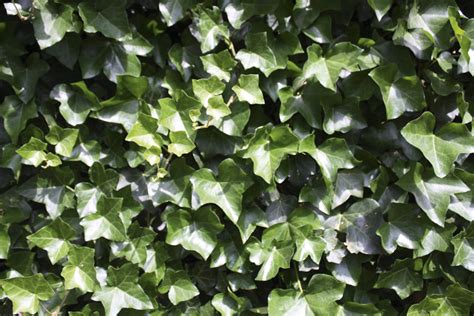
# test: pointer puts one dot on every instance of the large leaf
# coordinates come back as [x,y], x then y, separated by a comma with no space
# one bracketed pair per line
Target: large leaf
[122,291]
[268,147]
[225,190]
[27,292]
[79,272]
[441,148]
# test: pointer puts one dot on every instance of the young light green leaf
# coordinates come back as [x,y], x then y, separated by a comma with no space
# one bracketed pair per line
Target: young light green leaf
[248,90]
[209,28]
[63,139]
[219,64]
[464,248]
[106,222]
[327,69]
[54,238]
[79,271]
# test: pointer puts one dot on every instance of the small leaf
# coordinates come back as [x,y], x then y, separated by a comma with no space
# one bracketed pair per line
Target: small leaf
[79,271]
[402,278]
[248,90]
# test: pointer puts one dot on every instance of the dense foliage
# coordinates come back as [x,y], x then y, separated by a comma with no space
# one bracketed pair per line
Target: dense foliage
[308,157]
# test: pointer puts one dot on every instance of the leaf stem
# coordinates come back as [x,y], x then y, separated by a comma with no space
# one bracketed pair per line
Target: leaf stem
[298,278]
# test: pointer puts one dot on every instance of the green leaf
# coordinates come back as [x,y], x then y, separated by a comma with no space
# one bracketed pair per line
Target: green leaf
[248,90]
[381,7]
[402,277]
[219,64]
[332,155]
[179,287]
[135,248]
[54,238]
[267,53]
[76,102]
[63,139]
[122,291]
[143,132]
[404,227]
[26,76]
[271,257]
[106,17]
[106,222]
[79,271]
[326,70]
[174,10]
[196,231]
[455,301]
[268,147]
[27,292]
[178,115]
[361,221]
[441,148]
[50,191]
[225,190]
[432,194]
[209,28]
[15,115]
[400,93]
[51,23]
[463,248]
[319,298]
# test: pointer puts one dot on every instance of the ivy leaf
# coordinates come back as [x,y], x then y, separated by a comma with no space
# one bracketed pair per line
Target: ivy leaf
[362,220]
[400,93]
[268,147]
[300,103]
[27,75]
[51,23]
[326,70]
[178,115]
[179,287]
[209,28]
[50,191]
[5,241]
[135,248]
[76,102]
[455,301]
[432,194]
[195,231]
[143,132]
[404,227]
[27,292]
[15,115]
[271,257]
[219,64]
[381,7]
[463,248]
[79,271]
[106,17]
[266,53]
[248,90]
[441,148]
[176,188]
[63,139]
[402,277]
[225,190]
[332,155]
[122,291]
[106,222]
[54,239]
[173,11]
[319,298]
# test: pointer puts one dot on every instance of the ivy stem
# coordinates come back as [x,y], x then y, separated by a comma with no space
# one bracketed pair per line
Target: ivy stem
[231,47]
[298,278]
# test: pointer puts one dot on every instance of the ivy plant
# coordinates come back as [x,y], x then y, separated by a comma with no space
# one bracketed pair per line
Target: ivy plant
[169,157]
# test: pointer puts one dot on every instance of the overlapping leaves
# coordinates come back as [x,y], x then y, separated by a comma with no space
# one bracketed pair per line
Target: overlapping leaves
[236,157]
